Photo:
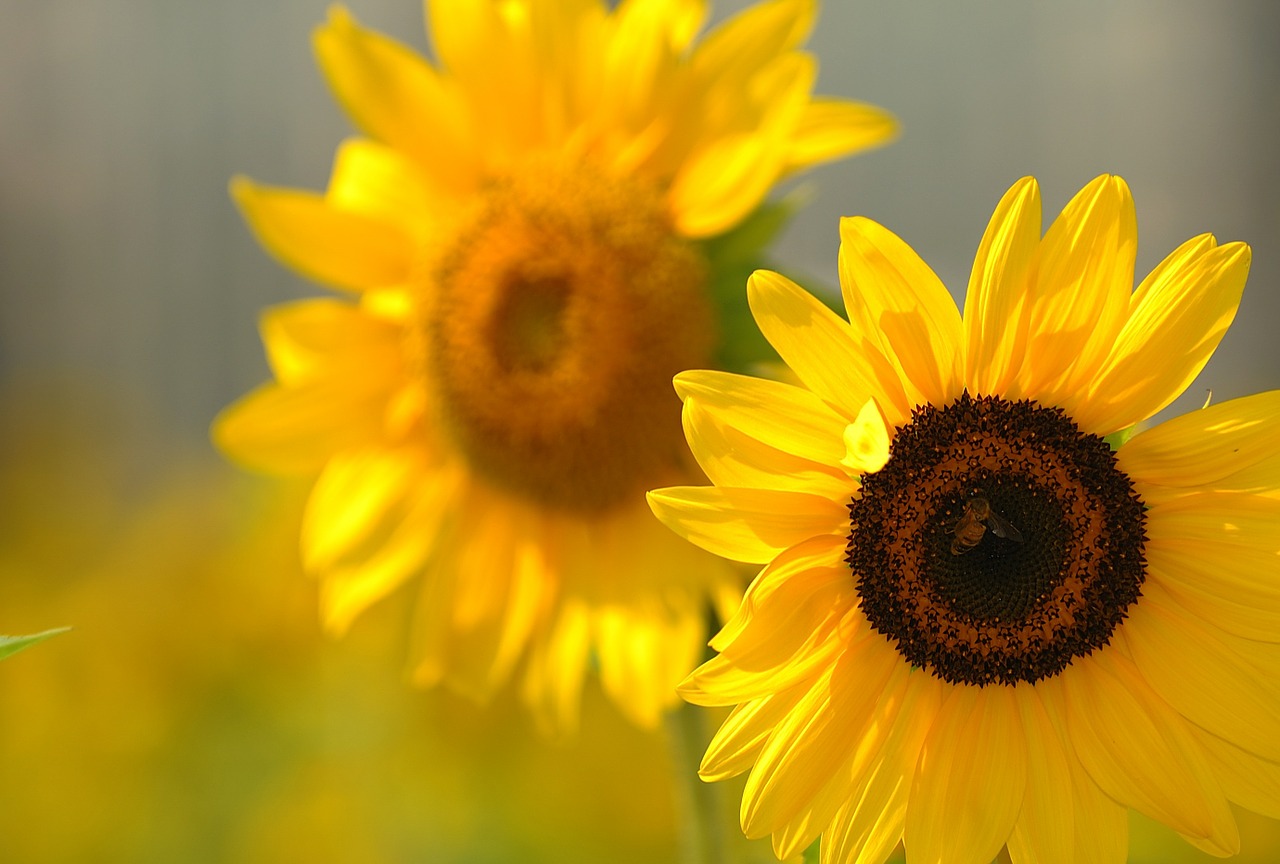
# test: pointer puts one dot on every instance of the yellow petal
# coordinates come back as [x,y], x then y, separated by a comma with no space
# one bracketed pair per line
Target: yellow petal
[337,247]
[487,51]
[568,44]
[780,415]
[649,37]
[750,525]
[1230,572]
[764,806]
[1224,843]
[741,737]
[348,591]
[780,623]
[1249,524]
[378,181]
[462,30]
[720,183]
[352,585]
[822,761]
[1246,779]
[484,590]
[498,596]
[1080,300]
[1200,447]
[821,349]
[1133,746]
[822,553]
[1260,478]
[833,128]
[557,664]
[312,338]
[770,667]
[395,97]
[1248,608]
[1196,671]
[680,19]
[751,39]
[893,296]
[518,67]
[726,102]
[867,828]
[644,650]
[730,458]
[792,839]
[870,732]
[357,497]
[1101,825]
[530,592]
[997,303]
[973,768]
[1045,830]
[294,430]
[1169,336]
[866,442]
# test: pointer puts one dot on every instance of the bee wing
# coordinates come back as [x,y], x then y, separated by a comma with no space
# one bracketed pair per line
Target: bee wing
[1001,527]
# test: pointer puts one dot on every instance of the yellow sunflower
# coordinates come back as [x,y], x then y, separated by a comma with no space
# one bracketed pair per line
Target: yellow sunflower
[530,232]
[978,624]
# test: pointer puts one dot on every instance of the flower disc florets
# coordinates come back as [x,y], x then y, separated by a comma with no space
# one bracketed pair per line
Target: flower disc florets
[553,324]
[973,606]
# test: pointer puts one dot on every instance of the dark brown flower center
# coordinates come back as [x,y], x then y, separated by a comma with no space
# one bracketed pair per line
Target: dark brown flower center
[552,323]
[998,543]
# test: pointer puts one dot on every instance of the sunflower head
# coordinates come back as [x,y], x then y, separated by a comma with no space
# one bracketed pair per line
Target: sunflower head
[978,624]
[532,229]
[997,543]
[551,327]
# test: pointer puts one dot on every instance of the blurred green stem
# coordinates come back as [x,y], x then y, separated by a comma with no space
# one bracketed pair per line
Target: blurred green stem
[700,811]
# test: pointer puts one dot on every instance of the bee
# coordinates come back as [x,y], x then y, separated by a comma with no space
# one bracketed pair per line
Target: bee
[973,524]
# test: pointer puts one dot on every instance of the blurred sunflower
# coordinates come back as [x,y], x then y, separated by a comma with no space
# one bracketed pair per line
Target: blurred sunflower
[532,228]
[978,623]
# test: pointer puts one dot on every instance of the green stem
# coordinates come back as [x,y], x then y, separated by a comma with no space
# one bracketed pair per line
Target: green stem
[700,811]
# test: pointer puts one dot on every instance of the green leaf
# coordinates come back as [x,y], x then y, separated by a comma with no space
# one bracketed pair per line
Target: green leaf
[1116,440]
[747,240]
[13,644]
[741,344]
[733,257]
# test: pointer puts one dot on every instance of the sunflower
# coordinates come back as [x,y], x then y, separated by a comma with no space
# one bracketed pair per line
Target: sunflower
[529,233]
[979,623]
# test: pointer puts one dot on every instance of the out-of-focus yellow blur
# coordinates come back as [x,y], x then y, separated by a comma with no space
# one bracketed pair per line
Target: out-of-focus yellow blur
[196,714]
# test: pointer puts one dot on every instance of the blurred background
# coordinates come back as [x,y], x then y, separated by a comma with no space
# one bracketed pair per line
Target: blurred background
[195,713]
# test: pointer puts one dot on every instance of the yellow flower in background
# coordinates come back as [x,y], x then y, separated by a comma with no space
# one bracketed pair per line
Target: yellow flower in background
[531,231]
[978,624]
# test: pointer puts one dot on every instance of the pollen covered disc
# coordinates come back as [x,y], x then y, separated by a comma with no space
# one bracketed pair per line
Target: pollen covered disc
[552,323]
[998,543]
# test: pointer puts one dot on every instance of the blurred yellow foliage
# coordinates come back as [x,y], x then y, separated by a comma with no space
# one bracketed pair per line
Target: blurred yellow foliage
[195,713]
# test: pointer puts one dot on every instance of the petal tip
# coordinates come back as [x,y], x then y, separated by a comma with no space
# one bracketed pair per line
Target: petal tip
[242,190]
[338,16]
[658,500]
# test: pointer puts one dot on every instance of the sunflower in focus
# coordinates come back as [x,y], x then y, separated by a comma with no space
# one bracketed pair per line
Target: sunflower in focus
[528,233]
[988,615]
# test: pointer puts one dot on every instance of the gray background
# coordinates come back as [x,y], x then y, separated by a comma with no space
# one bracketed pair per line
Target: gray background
[125,270]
